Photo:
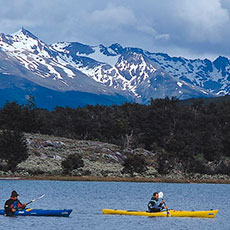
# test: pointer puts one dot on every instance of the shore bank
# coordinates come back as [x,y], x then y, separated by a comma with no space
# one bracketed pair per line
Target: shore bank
[119,179]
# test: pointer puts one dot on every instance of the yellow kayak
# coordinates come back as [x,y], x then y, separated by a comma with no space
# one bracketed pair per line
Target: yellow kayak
[169,213]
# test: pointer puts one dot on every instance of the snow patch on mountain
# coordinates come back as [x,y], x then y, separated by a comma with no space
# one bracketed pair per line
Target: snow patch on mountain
[100,57]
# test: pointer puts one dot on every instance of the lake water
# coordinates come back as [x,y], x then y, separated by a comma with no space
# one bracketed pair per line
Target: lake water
[88,198]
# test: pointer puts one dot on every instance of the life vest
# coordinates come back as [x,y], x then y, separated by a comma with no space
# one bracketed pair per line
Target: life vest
[11,203]
[154,206]
[16,204]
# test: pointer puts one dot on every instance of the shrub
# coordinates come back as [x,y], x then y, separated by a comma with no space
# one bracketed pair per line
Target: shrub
[165,164]
[185,164]
[13,148]
[134,163]
[223,168]
[73,161]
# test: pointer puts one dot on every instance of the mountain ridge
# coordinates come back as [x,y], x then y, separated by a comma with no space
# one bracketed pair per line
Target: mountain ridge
[133,74]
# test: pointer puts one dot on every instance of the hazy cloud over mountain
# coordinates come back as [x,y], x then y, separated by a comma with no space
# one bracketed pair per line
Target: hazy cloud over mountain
[197,28]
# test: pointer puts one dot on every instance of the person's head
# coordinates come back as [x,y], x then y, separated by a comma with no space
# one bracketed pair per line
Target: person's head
[14,194]
[155,195]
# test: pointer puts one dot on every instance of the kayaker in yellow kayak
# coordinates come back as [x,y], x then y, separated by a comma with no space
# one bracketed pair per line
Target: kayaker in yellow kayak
[156,204]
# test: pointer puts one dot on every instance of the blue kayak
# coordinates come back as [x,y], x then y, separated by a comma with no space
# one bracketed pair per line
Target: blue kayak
[40,212]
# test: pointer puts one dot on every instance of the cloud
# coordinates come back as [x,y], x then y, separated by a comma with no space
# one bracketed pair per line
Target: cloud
[203,21]
[198,27]
[115,22]
[179,27]
[112,17]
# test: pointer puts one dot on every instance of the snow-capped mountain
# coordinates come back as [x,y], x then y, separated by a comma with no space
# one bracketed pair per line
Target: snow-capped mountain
[127,69]
[214,77]
[36,61]
[115,73]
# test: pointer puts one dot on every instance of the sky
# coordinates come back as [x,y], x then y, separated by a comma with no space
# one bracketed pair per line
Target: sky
[186,28]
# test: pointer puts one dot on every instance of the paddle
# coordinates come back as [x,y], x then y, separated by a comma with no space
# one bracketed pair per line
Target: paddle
[161,196]
[35,199]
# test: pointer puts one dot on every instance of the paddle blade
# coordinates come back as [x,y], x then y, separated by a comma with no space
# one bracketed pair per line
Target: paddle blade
[161,195]
[35,199]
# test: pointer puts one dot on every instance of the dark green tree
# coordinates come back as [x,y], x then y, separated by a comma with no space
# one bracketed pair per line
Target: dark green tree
[11,116]
[134,163]
[13,148]
[73,161]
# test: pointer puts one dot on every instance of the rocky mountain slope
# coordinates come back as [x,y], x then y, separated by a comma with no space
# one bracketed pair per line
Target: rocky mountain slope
[117,74]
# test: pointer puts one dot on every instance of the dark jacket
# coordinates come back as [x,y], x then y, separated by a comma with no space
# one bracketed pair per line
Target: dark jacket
[10,204]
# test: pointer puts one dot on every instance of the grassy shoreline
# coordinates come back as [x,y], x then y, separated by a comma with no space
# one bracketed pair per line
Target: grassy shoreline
[117,179]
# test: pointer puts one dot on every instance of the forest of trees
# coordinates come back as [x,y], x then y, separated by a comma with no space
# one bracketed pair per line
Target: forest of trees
[190,132]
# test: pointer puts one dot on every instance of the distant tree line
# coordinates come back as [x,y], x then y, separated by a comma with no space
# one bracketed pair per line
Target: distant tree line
[185,132]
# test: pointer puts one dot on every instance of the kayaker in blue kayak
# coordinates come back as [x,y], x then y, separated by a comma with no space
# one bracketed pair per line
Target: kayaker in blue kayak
[13,204]
[156,204]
